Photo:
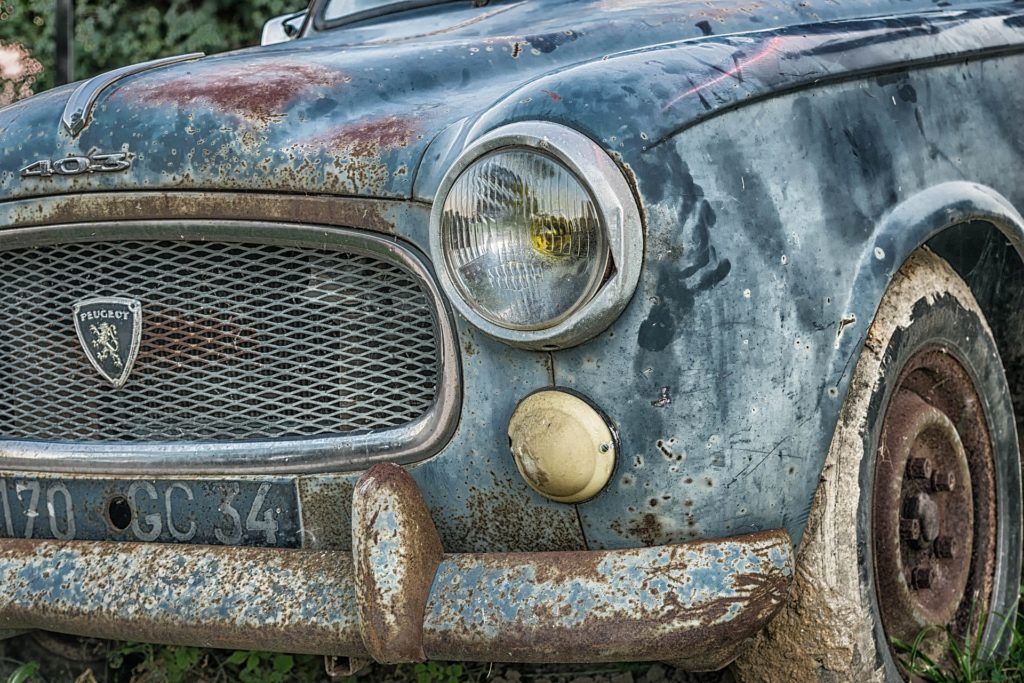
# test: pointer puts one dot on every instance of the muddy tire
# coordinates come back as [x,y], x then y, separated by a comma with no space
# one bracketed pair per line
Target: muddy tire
[917,519]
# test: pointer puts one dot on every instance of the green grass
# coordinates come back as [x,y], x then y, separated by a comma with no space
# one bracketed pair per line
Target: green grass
[24,673]
[963,660]
[145,663]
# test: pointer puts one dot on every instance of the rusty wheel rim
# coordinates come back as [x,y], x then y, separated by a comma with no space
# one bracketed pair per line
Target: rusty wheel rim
[933,507]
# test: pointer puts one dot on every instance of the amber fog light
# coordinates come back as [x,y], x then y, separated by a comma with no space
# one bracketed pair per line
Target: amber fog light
[563,446]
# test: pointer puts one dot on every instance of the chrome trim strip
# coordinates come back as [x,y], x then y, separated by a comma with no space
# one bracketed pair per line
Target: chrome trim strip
[619,213]
[79,106]
[411,443]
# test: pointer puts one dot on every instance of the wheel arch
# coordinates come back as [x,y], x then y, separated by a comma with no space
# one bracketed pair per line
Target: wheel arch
[980,234]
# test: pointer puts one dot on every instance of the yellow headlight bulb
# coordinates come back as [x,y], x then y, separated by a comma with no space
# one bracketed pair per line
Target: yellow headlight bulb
[551,235]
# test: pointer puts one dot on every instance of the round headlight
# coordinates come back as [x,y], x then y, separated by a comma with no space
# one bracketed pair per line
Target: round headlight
[522,239]
[536,235]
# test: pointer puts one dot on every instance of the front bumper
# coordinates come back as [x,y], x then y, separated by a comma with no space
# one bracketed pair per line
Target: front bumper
[397,597]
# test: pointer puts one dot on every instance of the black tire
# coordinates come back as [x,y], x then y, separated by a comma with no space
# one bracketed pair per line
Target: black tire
[930,378]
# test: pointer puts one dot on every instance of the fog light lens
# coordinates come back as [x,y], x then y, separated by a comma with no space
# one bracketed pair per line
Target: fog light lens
[563,446]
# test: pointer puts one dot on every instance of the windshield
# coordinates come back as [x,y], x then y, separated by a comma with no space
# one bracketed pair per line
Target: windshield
[357,10]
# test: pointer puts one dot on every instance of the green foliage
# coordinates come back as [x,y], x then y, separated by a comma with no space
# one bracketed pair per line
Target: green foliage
[438,672]
[112,33]
[270,667]
[157,663]
[24,673]
[148,663]
[964,662]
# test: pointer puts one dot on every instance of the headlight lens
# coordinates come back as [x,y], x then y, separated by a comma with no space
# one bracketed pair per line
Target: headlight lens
[522,239]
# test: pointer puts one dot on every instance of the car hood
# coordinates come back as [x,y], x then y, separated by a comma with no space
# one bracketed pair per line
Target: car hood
[351,111]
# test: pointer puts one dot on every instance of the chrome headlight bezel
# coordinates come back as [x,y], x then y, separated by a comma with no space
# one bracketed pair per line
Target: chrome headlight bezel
[616,206]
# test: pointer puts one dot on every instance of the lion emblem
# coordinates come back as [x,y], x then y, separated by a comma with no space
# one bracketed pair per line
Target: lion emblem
[104,340]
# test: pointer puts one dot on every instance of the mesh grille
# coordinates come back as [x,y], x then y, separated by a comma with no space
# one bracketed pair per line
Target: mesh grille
[239,341]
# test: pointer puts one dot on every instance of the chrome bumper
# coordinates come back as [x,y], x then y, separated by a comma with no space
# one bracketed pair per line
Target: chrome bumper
[397,597]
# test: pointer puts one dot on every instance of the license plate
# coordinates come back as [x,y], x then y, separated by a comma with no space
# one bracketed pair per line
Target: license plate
[261,512]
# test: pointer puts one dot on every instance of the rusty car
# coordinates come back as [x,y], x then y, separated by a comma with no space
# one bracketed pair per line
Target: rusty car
[527,331]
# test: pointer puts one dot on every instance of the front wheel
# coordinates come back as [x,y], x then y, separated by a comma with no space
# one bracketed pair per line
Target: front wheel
[916,525]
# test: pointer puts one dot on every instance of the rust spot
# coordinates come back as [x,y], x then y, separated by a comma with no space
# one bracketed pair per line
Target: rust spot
[368,137]
[845,322]
[357,148]
[258,92]
[663,446]
[500,519]
[392,617]
[175,335]
[537,630]
[116,577]
[369,214]
[555,97]
[663,399]
[326,513]
[647,529]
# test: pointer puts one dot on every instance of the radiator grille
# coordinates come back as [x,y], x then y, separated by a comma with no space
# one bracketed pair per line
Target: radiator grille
[239,341]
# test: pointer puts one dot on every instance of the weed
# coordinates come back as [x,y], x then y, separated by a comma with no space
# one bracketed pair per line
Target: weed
[170,664]
[437,672]
[155,663]
[965,661]
[272,667]
[24,673]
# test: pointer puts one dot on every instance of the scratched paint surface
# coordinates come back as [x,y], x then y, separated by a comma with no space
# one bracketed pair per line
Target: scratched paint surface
[694,576]
[764,256]
[678,601]
[141,592]
[397,598]
[780,238]
[351,111]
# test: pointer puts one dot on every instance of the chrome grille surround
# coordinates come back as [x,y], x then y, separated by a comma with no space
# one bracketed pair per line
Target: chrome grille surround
[403,423]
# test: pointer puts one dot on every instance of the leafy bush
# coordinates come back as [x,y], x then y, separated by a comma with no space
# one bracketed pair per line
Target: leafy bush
[112,33]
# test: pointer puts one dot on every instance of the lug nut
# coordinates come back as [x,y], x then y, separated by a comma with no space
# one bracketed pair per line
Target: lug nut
[943,481]
[912,506]
[945,547]
[919,468]
[910,529]
[922,577]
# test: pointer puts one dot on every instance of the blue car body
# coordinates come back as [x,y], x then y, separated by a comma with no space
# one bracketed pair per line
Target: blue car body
[786,158]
